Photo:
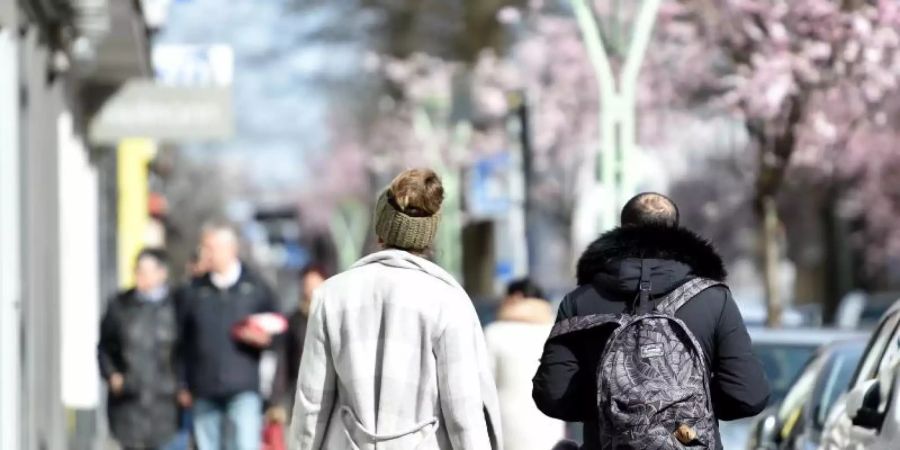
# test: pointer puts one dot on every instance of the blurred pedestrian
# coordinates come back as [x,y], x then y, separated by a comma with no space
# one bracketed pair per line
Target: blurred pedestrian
[515,342]
[394,354]
[626,270]
[195,268]
[291,348]
[197,265]
[137,356]
[221,357]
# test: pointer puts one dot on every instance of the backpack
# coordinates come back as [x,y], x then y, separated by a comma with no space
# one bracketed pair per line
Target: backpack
[652,378]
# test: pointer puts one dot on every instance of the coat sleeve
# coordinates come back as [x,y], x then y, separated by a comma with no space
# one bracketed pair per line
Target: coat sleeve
[269,301]
[316,387]
[182,299]
[559,384]
[739,385]
[493,351]
[109,349]
[460,351]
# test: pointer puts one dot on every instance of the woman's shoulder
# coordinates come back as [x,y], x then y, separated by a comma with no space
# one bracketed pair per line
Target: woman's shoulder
[400,283]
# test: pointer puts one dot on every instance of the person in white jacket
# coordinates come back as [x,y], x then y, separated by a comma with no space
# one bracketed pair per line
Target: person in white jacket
[515,342]
[394,355]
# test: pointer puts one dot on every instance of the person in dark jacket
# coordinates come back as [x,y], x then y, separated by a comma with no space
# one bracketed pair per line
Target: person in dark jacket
[221,376]
[138,338]
[608,273]
[290,349]
[194,268]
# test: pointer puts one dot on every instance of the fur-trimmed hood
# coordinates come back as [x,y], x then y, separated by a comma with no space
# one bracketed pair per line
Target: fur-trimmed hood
[678,252]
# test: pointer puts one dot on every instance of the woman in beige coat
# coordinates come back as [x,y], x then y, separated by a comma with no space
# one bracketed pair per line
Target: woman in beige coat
[515,342]
[394,354]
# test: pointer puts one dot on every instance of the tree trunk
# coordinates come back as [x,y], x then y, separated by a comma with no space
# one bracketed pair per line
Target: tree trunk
[775,146]
[839,267]
[771,259]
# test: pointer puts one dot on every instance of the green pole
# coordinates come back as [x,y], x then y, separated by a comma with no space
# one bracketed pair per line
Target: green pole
[636,52]
[617,105]
[348,226]
[448,249]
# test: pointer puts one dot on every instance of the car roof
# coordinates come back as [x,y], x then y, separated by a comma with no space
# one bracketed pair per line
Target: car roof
[848,344]
[883,298]
[803,336]
[894,307]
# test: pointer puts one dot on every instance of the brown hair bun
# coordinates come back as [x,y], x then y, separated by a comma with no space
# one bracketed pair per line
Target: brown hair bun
[417,192]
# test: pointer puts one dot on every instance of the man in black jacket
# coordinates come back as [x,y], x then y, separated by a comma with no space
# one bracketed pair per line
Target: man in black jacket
[608,275]
[221,364]
[136,352]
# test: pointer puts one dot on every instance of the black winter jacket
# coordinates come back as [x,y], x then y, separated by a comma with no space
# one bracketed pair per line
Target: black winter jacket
[138,340]
[608,277]
[216,365]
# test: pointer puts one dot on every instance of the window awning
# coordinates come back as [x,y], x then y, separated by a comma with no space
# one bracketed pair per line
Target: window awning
[118,34]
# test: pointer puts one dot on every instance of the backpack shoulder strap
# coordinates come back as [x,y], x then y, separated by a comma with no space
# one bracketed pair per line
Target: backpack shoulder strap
[671,303]
[581,323]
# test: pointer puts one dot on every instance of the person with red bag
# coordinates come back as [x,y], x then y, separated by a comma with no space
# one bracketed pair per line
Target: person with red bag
[228,317]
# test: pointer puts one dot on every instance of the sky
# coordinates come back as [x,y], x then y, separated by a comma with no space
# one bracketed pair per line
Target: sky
[284,70]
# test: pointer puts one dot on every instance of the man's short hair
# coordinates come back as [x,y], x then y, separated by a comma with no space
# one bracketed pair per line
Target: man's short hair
[525,287]
[216,225]
[650,208]
[158,255]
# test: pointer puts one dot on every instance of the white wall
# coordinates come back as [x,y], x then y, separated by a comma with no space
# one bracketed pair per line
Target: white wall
[79,269]
[10,219]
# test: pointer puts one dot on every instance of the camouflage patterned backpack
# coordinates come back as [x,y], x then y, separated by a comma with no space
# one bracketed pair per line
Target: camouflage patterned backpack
[652,379]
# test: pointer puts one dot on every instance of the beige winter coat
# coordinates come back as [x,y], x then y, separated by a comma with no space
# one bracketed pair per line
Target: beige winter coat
[515,342]
[394,355]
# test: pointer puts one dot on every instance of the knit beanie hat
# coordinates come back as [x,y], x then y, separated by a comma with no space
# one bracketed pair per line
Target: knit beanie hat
[399,230]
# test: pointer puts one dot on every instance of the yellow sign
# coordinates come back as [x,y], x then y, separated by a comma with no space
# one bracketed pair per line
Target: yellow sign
[134,156]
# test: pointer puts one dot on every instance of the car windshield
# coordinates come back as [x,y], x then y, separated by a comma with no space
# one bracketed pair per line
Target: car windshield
[835,379]
[799,393]
[782,363]
[871,313]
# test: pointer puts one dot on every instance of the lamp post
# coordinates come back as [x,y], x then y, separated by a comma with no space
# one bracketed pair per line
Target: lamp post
[348,226]
[614,177]
[448,241]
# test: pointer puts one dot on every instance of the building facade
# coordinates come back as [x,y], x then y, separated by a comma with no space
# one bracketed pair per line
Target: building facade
[59,61]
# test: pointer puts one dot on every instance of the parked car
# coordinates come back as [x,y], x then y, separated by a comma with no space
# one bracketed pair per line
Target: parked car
[755,314]
[863,310]
[783,353]
[868,416]
[797,422]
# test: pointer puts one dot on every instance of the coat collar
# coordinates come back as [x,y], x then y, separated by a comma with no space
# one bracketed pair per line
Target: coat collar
[651,242]
[246,275]
[406,260]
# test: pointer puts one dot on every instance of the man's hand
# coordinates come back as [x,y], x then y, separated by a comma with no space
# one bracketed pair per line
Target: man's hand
[254,337]
[185,399]
[116,383]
